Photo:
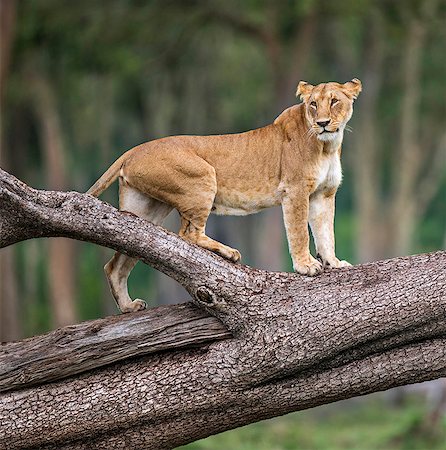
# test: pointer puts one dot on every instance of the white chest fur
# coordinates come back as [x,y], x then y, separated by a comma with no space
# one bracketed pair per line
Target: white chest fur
[329,175]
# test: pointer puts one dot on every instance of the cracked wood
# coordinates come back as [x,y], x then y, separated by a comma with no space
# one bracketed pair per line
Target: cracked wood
[78,348]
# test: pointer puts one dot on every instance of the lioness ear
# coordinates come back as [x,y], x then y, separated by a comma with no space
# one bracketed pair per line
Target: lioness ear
[353,87]
[303,89]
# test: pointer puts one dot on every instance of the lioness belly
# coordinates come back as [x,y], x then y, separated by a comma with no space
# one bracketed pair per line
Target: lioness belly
[235,203]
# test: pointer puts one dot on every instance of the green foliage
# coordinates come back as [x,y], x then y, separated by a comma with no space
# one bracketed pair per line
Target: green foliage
[33,298]
[128,71]
[357,425]
[88,286]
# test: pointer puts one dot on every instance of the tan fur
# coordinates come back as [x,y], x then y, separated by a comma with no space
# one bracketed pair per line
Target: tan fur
[294,162]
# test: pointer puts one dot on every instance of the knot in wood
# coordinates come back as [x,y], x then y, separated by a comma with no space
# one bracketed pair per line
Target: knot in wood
[205,295]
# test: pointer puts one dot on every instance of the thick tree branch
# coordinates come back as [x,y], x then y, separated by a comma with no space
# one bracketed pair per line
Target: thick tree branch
[78,348]
[297,342]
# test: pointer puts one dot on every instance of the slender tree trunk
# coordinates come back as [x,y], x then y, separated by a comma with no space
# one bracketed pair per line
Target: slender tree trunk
[167,290]
[295,60]
[371,228]
[403,211]
[271,241]
[7,26]
[409,161]
[386,223]
[106,105]
[287,63]
[10,328]
[61,252]
[438,407]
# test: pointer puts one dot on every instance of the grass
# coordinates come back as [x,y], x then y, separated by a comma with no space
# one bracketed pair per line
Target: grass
[366,424]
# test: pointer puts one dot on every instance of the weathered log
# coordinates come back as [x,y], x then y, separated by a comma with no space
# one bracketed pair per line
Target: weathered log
[78,348]
[297,342]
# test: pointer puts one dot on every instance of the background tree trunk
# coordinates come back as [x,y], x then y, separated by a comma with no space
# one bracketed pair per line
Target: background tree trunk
[287,62]
[409,156]
[9,300]
[371,237]
[61,252]
[386,223]
[10,328]
[297,342]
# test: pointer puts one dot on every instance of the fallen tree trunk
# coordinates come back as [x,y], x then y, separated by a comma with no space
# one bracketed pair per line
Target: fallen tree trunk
[296,342]
[78,348]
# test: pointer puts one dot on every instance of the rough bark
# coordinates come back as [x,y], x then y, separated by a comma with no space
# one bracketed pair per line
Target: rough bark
[79,348]
[297,342]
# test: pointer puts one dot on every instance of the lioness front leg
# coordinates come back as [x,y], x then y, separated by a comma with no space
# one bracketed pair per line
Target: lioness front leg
[321,218]
[295,216]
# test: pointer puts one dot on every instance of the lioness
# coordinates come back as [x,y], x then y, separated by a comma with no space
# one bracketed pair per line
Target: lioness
[294,162]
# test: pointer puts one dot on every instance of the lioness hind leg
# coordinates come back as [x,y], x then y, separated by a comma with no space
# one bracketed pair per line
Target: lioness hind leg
[117,271]
[196,233]
[184,180]
[194,203]
[119,267]
[193,224]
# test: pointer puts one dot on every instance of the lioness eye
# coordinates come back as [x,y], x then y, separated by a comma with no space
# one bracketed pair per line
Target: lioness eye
[313,105]
[334,101]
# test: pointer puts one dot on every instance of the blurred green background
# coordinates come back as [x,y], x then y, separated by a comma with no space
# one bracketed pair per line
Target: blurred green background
[83,81]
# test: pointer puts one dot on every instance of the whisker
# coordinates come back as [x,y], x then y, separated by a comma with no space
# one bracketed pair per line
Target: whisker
[310,132]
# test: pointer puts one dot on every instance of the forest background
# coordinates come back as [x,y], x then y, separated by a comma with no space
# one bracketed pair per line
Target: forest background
[81,82]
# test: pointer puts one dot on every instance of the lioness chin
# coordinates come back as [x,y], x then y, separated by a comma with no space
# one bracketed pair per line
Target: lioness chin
[294,162]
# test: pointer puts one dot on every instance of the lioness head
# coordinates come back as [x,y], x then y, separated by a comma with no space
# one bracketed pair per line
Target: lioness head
[328,106]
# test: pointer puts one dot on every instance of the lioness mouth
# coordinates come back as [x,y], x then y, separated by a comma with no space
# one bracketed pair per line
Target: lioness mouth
[328,131]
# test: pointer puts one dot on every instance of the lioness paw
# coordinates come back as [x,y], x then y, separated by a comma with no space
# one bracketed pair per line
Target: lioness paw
[236,256]
[344,263]
[136,305]
[333,262]
[230,253]
[311,267]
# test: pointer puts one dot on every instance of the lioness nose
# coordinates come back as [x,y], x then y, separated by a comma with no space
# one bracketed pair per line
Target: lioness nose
[323,123]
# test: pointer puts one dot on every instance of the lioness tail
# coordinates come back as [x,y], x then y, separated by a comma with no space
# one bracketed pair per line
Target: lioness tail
[108,177]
